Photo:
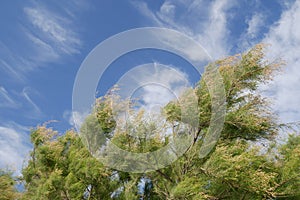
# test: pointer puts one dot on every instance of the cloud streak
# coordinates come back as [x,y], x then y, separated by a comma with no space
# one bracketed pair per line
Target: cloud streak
[5,99]
[49,36]
[206,22]
[24,102]
[25,94]
[53,28]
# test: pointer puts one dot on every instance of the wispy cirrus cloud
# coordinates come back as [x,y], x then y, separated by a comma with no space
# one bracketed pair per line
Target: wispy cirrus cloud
[204,21]
[53,29]
[48,36]
[6,99]
[24,102]
[34,108]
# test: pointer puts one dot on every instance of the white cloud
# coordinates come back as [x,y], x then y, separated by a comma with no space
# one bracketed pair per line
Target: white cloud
[168,9]
[53,28]
[10,70]
[11,64]
[254,25]
[153,84]
[14,147]
[250,36]
[24,100]
[5,99]
[75,118]
[205,22]
[143,9]
[215,34]
[45,51]
[284,38]
[49,36]
[26,94]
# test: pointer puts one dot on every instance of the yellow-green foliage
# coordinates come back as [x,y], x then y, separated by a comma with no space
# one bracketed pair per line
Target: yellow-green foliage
[62,167]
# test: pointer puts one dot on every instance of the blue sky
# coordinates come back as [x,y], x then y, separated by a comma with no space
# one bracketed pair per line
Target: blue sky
[43,43]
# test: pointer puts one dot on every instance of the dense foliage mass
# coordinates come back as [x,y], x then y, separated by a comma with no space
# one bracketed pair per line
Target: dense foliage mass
[239,167]
[7,189]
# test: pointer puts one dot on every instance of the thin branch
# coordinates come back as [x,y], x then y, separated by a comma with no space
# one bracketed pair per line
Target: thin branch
[165,176]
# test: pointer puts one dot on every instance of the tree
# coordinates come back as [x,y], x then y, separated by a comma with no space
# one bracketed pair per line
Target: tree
[288,162]
[248,118]
[62,167]
[7,186]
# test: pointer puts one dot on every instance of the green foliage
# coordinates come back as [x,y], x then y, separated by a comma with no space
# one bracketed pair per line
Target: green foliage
[62,167]
[92,134]
[105,117]
[139,134]
[7,186]
[289,168]
[248,115]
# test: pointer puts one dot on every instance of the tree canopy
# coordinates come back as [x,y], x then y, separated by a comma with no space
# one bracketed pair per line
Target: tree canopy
[62,166]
